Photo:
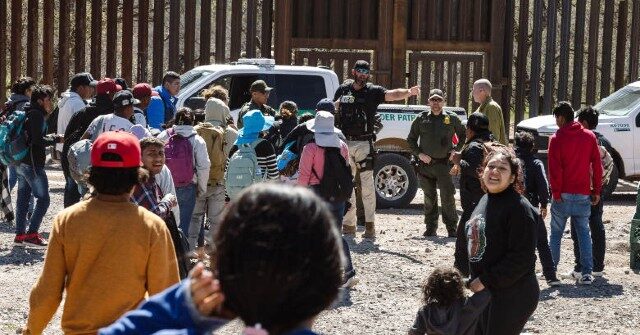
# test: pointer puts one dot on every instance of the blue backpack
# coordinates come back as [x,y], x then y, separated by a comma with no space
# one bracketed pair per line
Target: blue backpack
[13,141]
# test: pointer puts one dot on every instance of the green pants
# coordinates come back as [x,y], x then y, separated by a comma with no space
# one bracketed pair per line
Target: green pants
[433,177]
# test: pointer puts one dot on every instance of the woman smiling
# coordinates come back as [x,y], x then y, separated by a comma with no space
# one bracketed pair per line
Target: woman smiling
[501,245]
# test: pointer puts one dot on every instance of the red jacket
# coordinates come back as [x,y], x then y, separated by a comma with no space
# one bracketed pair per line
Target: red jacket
[573,153]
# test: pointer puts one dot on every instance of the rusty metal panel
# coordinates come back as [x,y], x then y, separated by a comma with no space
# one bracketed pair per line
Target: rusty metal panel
[621,42]
[63,47]
[578,54]
[550,61]
[236,34]
[320,19]
[112,38]
[267,28]
[3,55]
[189,33]
[32,38]
[158,41]
[80,33]
[205,32]
[337,18]
[143,42]
[565,35]
[607,48]
[174,35]
[221,30]
[250,42]
[126,55]
[635,42]
[96,38]
[592,62]
[16,42]
[521,62]
[536,48]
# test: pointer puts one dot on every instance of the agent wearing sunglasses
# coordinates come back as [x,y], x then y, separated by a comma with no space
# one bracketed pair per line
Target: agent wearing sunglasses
[356,103]
[430,139]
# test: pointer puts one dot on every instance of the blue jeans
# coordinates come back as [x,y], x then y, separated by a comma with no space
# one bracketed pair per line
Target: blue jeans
[187,201]
[13,179]
[578,208]
[31,180]
[597,239]
[337,209]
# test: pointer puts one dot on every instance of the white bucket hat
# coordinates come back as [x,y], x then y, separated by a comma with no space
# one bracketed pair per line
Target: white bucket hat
[326,135]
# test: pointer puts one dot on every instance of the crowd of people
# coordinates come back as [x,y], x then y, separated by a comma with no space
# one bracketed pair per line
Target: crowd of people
[146,183]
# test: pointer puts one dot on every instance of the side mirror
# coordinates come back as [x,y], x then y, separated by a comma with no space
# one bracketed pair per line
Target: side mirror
[638,120]
[195,103]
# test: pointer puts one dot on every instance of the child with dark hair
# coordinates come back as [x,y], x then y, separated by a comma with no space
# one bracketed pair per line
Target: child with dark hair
[251,243]
[447,309]
[105,252]
[537,192]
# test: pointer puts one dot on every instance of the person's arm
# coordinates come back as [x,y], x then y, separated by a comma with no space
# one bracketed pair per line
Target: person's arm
[596,164]
[162,267]
[203,164]
[555,169]
[473,157]
[267,160]
[36,125]
[92,128]
[306,164]
[472,310]
[401,93]
[155,113]
[171,309]
[414,135]
[461,132]
[520,254]
[47,292]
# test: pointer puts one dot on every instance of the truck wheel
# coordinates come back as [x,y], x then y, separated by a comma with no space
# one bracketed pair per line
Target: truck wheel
[395,181]
[609,188]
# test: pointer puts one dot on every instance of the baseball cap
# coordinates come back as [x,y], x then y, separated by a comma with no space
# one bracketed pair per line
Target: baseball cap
[478,122]
[124,98]
[142,90]
[106,86]
[362,65]
[260,86]
[326,105]
[82,78]
[436,92]
[116,149]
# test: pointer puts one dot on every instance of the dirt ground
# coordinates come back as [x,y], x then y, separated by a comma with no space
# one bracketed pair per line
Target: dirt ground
[391,270]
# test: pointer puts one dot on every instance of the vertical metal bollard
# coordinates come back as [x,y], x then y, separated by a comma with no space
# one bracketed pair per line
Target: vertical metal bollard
[634,237]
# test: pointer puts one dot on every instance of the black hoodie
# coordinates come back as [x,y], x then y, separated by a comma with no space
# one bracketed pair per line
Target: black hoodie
[535,179]
[36,130]
[461,318]
[470,161]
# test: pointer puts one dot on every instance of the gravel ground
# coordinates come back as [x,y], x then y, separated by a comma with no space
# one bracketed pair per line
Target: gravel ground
[391,270]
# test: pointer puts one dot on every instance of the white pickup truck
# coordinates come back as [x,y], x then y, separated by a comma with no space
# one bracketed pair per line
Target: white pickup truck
[619,122]
[395,179]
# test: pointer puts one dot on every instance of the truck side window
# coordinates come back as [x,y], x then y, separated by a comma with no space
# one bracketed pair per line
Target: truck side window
[304,90]
[197,100]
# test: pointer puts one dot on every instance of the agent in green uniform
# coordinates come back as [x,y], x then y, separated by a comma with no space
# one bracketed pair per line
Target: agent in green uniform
[259,96]
[430,140]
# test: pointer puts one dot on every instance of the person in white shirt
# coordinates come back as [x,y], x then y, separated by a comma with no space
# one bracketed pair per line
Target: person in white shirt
[123,103]
[81,88]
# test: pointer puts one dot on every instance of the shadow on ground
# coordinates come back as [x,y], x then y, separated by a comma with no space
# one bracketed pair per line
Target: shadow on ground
[601,288]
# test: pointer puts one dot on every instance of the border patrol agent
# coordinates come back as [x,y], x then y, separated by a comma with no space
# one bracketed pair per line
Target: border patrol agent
[259,96]
[357,102]
[430,139]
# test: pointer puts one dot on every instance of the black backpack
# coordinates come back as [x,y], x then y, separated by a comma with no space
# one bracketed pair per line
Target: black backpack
[337,182]
[180,244]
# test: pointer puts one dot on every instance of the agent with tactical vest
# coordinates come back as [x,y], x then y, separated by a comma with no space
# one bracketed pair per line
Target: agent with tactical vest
[356,102]
[259,96]
[430,139]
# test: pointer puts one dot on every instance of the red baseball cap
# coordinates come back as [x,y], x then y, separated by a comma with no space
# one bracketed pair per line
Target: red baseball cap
[119,143]
[106,86]
[142,90]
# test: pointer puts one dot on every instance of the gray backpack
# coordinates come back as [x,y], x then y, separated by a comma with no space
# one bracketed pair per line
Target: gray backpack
[243,170]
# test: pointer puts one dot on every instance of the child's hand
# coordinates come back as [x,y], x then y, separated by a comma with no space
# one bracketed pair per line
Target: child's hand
[205,291]
[476,285]
[171,199]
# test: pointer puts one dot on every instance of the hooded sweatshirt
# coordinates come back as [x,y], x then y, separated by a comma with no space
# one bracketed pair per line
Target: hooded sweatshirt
[217,113]
[200,156]
[461,318]
[18,101]
[69,104]
[573,150]
[162,108]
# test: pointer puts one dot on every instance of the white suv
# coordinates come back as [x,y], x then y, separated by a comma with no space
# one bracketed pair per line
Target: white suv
[395,179]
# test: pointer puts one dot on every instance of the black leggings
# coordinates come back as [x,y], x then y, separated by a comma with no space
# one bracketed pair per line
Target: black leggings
[511,308]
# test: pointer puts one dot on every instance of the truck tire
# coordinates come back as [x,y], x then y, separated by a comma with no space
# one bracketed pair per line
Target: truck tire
[609,188]
[395,181]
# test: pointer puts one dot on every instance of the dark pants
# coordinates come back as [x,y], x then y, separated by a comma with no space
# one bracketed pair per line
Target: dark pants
[71,193]
[433,177]
[597,239]
[461,254]
[337,209]
[544,252]
[511,308]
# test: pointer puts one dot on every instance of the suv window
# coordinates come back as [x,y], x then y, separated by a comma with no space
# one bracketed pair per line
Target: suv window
[620,103]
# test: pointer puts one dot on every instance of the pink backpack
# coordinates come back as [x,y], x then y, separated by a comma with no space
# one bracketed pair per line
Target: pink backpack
[179,158]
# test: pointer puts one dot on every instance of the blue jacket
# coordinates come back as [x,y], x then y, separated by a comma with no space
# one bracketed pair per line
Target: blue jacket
[169,312]
[161,108]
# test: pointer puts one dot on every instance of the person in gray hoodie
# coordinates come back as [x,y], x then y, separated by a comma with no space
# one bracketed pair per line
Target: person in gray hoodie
[447,310]
[187,194]
[212,130]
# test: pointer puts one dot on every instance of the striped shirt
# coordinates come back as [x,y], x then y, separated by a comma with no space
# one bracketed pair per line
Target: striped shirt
[266,159]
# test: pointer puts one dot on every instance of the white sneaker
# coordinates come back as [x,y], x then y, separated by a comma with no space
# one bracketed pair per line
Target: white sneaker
[585,280]
[350,282]
[599,274]
[571,275]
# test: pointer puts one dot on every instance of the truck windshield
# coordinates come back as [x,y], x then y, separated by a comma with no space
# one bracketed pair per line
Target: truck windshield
[620,103]
[189,78]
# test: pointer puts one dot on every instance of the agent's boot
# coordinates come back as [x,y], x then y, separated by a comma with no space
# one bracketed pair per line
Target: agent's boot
[369,230]
[348,230]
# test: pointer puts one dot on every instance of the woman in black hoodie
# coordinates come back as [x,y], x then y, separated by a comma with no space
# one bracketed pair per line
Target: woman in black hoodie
[501,236]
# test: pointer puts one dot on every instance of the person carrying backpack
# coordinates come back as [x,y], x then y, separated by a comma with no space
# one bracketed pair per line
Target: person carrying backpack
[219,139]
[32,179]
[251,159]
[188,160]
[324,167]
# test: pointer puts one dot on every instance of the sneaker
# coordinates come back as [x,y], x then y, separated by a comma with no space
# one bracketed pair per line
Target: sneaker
[350,281]
[452,234]
[348,230]
[19,240]
[553,281]
[35,241]
[571,275]
[429,233]
[585,280]
[598,274]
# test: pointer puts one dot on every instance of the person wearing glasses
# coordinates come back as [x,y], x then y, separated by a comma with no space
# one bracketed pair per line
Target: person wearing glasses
[430,140]
[356,103]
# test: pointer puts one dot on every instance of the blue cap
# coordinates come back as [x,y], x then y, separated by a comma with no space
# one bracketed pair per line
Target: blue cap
[327,105]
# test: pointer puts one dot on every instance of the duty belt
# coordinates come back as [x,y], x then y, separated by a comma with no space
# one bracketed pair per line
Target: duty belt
[359,138]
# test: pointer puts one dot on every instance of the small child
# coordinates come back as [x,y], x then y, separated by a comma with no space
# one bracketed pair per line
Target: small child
[447,310]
